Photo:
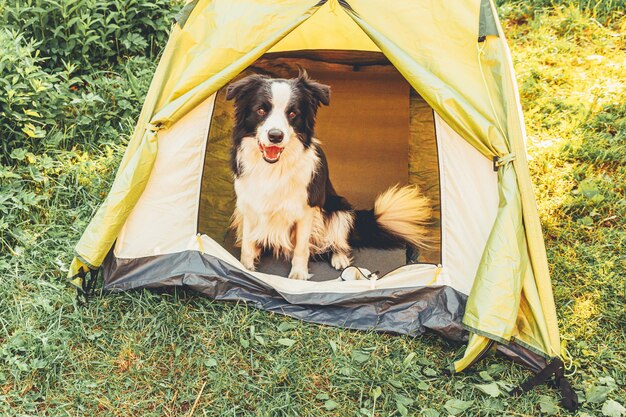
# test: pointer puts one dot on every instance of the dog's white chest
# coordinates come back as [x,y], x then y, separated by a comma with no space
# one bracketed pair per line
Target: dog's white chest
[271,198]
[268,196]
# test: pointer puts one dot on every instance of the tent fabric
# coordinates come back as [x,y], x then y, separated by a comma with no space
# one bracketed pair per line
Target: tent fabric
[469,85]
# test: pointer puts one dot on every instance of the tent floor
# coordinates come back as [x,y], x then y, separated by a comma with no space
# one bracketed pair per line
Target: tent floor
[380,260]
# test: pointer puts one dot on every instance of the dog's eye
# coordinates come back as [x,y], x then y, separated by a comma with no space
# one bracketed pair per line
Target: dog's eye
[261,112]
[292,114]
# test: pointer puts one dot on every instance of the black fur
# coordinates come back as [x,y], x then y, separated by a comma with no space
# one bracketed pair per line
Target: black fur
[250,94]
[367,233]
[319,183]
[307,98]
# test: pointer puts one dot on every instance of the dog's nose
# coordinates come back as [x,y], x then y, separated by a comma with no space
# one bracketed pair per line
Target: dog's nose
[275,135]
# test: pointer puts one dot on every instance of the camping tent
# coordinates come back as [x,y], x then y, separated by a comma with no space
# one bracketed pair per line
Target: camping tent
[423,92]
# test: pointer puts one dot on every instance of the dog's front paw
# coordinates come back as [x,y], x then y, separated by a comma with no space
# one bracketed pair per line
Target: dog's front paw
[248,263]
[299,273]
[340,261]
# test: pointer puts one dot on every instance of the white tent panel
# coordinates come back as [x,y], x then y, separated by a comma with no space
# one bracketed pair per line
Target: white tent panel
[469,205]
[166,214]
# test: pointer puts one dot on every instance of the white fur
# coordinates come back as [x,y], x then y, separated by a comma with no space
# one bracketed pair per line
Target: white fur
[273,197]
[277,118]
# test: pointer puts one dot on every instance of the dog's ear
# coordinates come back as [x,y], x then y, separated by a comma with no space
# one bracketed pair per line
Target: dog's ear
[237,89]
[321,92]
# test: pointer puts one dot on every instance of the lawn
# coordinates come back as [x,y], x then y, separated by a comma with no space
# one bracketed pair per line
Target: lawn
[71,86]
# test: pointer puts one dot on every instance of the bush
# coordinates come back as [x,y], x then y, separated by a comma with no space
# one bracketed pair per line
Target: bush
[92,33]
[30,98]
[104,105]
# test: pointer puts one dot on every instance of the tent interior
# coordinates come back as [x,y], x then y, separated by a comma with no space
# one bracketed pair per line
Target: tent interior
[377,132]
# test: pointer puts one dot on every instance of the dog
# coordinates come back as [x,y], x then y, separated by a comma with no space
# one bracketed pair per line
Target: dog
[285,201]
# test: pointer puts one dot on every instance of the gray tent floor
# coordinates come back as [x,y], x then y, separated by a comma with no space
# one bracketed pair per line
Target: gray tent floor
[380,260]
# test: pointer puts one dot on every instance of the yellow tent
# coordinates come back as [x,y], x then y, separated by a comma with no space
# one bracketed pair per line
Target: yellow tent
[444,65]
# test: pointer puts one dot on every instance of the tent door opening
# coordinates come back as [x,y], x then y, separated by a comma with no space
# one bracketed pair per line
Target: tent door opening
[376,132]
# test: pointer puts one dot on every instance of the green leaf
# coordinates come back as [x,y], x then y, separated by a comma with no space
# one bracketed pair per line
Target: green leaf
[375,393]
[597,199]
[407,361]
[491,389]
[588,188]
[345,371]
[330,405]
[430,372]
[505,386]
[455,407]
[30,112]
[425,362]
[608,381]
[395,383]
[210,363]
[286,342]
[422,386]
[485,376]
[286,326]
[547,405]
[613,409]
[322,396]
[597,393]
[429,412]
[360,356]
[19,154]
[244,342]
[333,346]
[402,409]
[403,399]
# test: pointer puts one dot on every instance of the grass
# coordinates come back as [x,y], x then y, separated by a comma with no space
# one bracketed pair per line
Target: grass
[144,354]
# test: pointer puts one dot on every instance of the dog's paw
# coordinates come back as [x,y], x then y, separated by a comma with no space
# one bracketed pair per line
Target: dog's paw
[248,264]
[340,261]
[299,273]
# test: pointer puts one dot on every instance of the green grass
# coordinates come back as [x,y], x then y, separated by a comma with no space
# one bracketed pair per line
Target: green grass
[144,354]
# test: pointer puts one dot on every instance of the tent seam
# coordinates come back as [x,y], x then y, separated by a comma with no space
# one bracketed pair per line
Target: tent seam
[532,349]
[505,342]
[483,333]
[83,260]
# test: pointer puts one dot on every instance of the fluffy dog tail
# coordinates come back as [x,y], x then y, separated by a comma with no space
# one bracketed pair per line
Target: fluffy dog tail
[400,216]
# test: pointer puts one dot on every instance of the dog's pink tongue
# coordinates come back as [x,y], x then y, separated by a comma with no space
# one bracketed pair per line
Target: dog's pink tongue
[272,152]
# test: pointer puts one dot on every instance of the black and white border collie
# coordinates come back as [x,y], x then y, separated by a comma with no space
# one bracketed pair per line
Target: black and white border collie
[285,200]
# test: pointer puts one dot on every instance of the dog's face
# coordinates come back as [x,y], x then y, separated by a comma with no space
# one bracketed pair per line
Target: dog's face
[276,111]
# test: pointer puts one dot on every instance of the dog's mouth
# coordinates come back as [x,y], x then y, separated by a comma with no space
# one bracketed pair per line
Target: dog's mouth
[271,154]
